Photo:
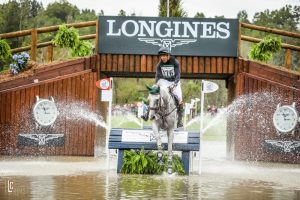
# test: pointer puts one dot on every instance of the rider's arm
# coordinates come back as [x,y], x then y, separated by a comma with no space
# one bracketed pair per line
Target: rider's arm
[158,73]
[177,71]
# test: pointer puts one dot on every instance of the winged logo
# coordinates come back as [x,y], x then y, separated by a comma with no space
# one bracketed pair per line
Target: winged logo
[42,139]
[167,42]
[287,146]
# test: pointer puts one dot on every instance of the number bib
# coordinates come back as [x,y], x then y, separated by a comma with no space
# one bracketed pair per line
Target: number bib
[168,71]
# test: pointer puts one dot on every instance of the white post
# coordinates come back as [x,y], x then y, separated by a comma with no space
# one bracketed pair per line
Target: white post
[108,129]
[201,130]
[107,132]
[168,8]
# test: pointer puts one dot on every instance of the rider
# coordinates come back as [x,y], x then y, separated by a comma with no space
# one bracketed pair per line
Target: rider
[168,69]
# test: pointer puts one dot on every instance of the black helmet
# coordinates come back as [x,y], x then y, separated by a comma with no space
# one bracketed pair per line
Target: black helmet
[164,50]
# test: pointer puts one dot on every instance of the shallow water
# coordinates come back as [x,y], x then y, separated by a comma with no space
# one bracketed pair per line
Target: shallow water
[88,178]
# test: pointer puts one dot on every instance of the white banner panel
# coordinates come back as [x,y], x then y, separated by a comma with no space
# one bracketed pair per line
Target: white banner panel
[148,136]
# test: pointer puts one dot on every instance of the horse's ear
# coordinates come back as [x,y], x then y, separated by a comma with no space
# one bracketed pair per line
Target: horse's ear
[148,87]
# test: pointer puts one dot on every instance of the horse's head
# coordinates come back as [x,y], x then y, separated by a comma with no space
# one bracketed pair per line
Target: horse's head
[154,100]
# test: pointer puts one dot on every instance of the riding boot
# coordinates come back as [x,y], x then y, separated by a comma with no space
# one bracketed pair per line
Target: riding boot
[180,115]
[145,116]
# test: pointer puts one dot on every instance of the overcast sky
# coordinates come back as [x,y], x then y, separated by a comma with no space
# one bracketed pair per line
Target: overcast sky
[211,8]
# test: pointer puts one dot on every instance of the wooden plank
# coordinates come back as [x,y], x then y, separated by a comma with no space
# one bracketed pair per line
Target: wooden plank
[68,133]
[189,64]
[231,66]
[115,63]
[213,65]
[207,67]
[103,62]
[195,64]
[149,63]
[137,63]
[109,62]
[126,63]
[183,64]
[120,63]
[8,108]
[131,63]
[225,65]
[201,65]
[93,103]
[219,65]
[143,63]
[58,95]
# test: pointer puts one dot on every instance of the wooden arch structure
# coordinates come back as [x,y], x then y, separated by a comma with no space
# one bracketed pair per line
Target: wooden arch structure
[75,80]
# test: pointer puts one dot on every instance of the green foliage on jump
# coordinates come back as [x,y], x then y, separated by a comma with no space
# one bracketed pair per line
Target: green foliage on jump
[69,38]
[66,37]
[142,162]
[263,51]
[4,50]
[83,48]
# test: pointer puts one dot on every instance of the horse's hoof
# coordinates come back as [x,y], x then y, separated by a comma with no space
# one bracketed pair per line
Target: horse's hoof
[170,170]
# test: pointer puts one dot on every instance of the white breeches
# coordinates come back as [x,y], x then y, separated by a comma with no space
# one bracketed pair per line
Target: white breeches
[176,91]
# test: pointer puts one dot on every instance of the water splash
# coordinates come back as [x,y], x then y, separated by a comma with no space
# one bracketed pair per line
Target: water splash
[130,118]
[244,110]
[77,111]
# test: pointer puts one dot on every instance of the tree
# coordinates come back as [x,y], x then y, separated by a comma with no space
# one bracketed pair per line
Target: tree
[122,13]
[176,9]
[199,15]
[243,16]
[62,10]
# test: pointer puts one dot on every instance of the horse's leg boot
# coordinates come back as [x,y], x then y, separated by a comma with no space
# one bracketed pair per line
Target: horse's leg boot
[170,163]
[180,115]
[160,157]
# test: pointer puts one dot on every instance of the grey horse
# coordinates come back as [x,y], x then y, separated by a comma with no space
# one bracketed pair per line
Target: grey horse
[162,111]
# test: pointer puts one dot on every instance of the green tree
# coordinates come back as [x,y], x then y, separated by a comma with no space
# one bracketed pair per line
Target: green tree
[122,13]
[62,10]
[199,15]
[176,9]
[243,16]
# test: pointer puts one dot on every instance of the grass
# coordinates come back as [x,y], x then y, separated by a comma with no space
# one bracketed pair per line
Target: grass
[216,132]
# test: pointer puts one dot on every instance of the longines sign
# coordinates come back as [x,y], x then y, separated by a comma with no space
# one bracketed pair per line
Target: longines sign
[184,36]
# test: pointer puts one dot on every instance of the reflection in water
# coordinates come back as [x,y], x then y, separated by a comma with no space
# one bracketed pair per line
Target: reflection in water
[87,178]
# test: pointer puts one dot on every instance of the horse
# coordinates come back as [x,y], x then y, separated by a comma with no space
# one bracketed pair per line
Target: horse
[163,113]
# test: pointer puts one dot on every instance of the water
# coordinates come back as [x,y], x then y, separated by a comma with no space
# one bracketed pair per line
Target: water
[88,177]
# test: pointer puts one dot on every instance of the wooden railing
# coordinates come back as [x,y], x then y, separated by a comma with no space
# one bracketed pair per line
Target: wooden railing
[35,44]
[34,35]
[287,47]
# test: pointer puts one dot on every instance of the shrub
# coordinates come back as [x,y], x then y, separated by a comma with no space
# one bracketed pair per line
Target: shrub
[66,37]
[19,62]
[141,162]
[263,51]
[4,50]
[83,48]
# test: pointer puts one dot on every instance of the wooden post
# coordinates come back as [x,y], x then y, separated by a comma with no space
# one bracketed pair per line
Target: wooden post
[33,44]
[288,59]
[239,40]
[50,53]
[97,37]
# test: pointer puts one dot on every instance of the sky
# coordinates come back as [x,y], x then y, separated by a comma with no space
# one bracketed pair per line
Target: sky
[211,8]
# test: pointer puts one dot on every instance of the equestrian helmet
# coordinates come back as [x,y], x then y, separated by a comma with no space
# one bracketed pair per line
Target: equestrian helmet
[164,50]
